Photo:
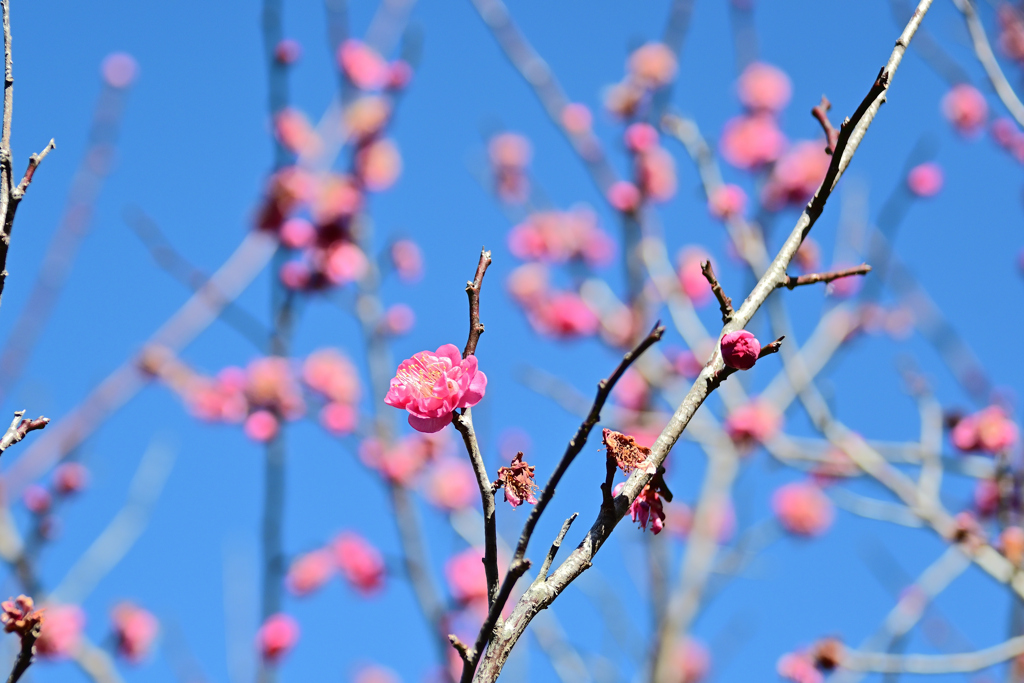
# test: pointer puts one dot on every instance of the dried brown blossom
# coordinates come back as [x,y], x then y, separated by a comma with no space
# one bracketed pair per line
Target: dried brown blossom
[518,481]
[18,615]
[627,453]
[827,653]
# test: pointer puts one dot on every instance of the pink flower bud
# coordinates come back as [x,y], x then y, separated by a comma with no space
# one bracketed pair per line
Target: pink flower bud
[37,499]
[379,164]
[362,65]
[652,65]
[764,87]
[345,263]
[310,572]
[297,233]
[641,137]
[339,418]
[277,636]
[727,201]
[624,196]
[802,508]
[135,629]
[261,426]
[70,477]
[966,108]
[752,141]
[576,118]
[288,51]
[295,275]
[62,631]
[359,562]
[119,70]
[925,180]
[740,349]
[510,150]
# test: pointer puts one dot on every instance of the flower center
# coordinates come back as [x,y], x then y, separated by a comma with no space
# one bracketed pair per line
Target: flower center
[423,373]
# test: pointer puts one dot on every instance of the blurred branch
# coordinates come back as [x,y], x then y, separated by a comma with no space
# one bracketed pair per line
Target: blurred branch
[96,663]
[965,662]
[988,61]
[114,542]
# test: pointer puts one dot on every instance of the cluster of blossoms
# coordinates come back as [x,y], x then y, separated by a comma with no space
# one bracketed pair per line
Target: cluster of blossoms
[265,392]
[350,555]
[648,506]
[134,630]
[989,431]
[19,615]
[753,140]
[312,213]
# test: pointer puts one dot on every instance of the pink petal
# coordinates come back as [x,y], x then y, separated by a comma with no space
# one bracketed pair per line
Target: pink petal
[476,390]
[451,352]
[429,425]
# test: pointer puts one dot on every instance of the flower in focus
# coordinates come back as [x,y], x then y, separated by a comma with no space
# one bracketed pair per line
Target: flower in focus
[135,629]
[646,507]
[925,180]
[652,65]
[966,108]
[989,430]
[310,572]
[740,349]
[451,483]
[18,615]
[756,421]
[517,480]
[763,87]
[802,508]
[359,562]
[628,455]
[362,65]
[727,201]
[431,386]
[751,141]
[467,579]
[62,631]
[277,636]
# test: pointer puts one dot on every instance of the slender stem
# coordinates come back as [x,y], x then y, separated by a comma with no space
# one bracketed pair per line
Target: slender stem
[25,654]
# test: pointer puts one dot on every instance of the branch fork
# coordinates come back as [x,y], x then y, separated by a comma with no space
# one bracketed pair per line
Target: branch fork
[724,302]
[794,282]
[19,428]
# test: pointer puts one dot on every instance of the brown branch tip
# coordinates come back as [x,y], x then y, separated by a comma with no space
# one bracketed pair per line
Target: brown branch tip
[793,282]
[726,372]
[724,302]
[476,328]
[19,428]
[820,112]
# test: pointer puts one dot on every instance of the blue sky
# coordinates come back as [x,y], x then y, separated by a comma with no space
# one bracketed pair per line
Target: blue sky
[193,152]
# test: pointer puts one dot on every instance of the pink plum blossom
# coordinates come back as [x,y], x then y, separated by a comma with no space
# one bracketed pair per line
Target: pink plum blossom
[277,636]
[337,197]
[261,426]
[989,430]
[528,283]
[691,278]
[986,497]
[399,75]
[288,51]
[407,260]
[727,201]
[797,175]
[451,483]
[69,478]
[632,390]
[310,572]
[297,233]
[763,87]
[135,630]
[345,263]
[119,70]
[624,196]
[753,422]
[646,508]
[740,349]
[691,660]
[362,65]
[339,418]
[467,579]
[377,674]
[925,180]
[37,499]
[564,314]
[656,174]
[966,108]
[379,165]
[557,236]
[802,508]
[359,562]
[295,275]
[330,373]
[431,386]
[652,65]
[1011,31]
[576,118]
[399,462]
[510,150]
[295,132]
[62,631]
[366,117]
[752,141]
[399,319]
[641,137]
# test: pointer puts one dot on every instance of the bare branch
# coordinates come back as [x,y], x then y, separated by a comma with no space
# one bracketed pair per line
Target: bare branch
[724,302]
[543,573]
[476,328]
[26,653]
[30,172]
[19,428]
[794,282]
[820,112]
[964,662]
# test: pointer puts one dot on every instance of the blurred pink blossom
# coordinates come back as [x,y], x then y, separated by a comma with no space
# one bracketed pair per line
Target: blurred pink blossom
[329,372]
[37,499]
[564,315]
[467,579]
[624,196]
[641,137]
[989,430]
[261,426]
[362,65]
[691,277]
[277,636]
[798,668]
[925,180]
[288,51]
[62,631]
[297,233]
[379,164]
[966,108]
[691,660]
[339,418]
[797,175]
[399,75]
[295,275]
[576,118]
[119,70]
[407,259]
[310,572]
[70,477]
[802,508]
[451,483]
[345,263]
[753,422]
[135,630]
[652,65]
[359,562]
[399,319]
[763,87]
[751,141]
[727,201]
[656,174]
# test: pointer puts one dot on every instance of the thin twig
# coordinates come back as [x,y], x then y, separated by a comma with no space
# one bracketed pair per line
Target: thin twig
[19,428]
[476,328]
[793,282]
[820,112]
[963,662]
[542,574]
[26,653]
[724,302]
